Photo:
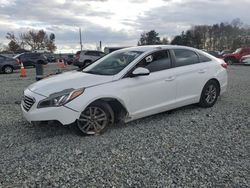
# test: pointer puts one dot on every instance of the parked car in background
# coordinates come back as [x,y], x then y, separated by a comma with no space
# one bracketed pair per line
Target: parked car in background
[223,52]
[31,58]
[235,57]
[87,57]
[70,59]
[125,85]
[245,60]
[8,64]
[215,53]
[50,57]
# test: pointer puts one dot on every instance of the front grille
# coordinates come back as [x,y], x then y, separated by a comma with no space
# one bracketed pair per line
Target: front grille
[27,102]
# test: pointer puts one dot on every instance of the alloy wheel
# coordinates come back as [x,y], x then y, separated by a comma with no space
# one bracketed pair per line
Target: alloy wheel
[92,120]
[210,94]
[8,70]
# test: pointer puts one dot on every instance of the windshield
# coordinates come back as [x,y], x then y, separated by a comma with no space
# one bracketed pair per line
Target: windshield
[113,63]
[237,51]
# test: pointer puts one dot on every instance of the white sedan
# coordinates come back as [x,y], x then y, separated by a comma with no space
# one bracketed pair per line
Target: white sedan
[126,85]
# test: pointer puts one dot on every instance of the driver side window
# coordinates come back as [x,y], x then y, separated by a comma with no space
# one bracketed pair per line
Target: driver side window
[157,61]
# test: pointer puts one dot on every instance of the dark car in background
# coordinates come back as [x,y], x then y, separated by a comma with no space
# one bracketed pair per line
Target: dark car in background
[8,64]
[31,58]
[215,54]
[50,57]
[70,59]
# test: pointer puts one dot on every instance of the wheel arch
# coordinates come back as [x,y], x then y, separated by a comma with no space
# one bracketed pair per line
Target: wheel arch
[7,65]
[87,60]
[117,106]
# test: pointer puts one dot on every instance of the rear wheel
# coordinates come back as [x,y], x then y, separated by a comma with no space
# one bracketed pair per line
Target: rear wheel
[209,94]
[87,63]
[8,69]
[95,118]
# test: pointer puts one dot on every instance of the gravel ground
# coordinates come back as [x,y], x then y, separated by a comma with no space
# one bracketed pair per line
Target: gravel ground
[187,147]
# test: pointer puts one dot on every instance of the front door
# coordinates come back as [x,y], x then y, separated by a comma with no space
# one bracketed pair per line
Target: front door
[155,92]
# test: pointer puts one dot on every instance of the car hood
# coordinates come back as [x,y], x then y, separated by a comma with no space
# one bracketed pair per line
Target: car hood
[68,80]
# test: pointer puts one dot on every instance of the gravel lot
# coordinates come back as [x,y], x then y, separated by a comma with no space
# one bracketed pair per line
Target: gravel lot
[188,147]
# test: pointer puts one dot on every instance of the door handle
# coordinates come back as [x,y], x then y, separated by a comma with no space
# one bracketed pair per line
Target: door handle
[170,78]
[202,71]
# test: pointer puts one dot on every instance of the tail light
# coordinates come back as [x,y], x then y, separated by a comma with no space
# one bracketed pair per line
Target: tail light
[224,65]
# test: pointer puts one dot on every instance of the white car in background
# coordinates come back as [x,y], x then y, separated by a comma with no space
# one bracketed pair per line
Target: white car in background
[245,60]
[126,85]
[86,57]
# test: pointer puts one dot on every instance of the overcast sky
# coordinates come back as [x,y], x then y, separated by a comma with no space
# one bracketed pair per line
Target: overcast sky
[115,22]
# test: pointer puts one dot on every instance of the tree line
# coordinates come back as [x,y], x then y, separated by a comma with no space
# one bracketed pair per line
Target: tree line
[216,37]
[32,40]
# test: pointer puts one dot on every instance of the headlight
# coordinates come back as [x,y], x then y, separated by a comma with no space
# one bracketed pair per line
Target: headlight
[60,98]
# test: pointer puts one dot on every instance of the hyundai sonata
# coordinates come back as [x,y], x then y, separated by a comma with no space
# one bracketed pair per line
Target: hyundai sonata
[126,85]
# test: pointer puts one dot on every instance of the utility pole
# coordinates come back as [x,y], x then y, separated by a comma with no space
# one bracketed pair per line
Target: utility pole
[100,45]
[80,32]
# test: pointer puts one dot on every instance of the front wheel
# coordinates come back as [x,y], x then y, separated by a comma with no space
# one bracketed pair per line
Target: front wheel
[95,118]
[209,94]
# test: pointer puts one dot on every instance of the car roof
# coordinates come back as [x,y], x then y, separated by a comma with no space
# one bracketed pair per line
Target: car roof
[148,48]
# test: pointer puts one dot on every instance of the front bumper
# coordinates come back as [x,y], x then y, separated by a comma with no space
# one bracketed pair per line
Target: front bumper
[62,114]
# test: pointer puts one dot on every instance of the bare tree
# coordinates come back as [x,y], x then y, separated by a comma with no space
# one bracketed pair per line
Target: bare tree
[216,37]
[14,43]
[33,40]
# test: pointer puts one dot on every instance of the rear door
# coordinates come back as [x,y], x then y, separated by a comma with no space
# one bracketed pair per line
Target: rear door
[26,59]
[34,58]
[191,75]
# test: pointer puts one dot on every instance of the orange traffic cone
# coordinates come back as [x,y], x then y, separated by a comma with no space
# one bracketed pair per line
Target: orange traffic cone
[22,72]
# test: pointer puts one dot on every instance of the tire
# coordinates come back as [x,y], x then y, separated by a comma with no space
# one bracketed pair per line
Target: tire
[95,119]
[87,63]
[210,93]
[8,69]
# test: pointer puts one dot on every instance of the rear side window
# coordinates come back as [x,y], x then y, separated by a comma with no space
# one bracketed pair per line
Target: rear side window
[204,58]
[156,62]
[185,57]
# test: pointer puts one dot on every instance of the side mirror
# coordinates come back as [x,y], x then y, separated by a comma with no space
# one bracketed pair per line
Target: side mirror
[140,71]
